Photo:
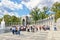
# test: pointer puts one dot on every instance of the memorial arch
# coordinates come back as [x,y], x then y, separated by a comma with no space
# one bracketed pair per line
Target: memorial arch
[25,20]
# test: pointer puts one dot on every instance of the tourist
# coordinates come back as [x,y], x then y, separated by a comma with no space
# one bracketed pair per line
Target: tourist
[13,29]
[40,28]
[28,28]
[48,27]
[36,29]
[55,29]
[44,28]
[31,28]
[18,30]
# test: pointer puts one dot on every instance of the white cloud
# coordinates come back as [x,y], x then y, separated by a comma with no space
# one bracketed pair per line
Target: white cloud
[31,4]
[7,13]
[1,13]
[16,14]
[11,5]
[11,13]
[56,0]
[39,3]
[0,4]
[1,16]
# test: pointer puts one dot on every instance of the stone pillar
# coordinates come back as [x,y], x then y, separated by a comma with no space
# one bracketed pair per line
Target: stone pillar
[52,22]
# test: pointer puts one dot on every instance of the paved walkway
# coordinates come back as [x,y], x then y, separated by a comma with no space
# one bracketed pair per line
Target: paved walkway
[24,36]
[40,35]
[55,35]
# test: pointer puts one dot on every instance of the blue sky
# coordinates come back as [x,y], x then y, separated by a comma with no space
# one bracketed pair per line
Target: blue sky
[22,7]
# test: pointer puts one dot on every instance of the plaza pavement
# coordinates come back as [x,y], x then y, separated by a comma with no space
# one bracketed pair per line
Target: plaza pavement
[39,35]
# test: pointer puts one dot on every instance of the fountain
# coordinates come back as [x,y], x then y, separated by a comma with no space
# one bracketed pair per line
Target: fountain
[2,26]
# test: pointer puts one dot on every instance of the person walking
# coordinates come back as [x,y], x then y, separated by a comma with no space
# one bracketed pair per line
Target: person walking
[28,28]
[13,29]
[18,30]
[55,28]
[44,28]
[40,28]
[31,28]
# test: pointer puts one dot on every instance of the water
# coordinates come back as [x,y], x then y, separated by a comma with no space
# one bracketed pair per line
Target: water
[6,30]
[2,26]
[3,29]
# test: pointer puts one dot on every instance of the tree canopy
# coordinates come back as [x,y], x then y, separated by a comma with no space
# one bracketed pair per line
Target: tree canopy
[11,19]
[37,14]
[56,8]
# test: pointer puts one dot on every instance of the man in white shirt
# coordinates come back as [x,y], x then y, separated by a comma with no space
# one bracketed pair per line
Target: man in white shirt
[13,29]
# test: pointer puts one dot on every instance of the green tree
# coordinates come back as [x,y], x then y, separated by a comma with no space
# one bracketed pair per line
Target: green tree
[43,13]
[56,8]
[15,20]
[38,15]
[0,20]
[11,20]
[45,8]
[7,19]
[35,14]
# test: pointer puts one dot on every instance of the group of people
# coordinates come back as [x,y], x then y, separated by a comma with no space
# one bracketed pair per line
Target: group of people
[30,28]
[33,28]
[15,29]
